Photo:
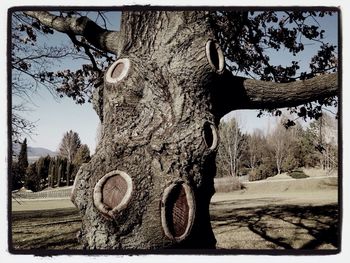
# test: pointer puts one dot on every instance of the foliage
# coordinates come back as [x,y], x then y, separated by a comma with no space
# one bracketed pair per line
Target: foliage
[286,150]
[32,179]
[17,181]
[249,38]
[47,172]
[69,145]
[263,171]
[42,166]
[21,165]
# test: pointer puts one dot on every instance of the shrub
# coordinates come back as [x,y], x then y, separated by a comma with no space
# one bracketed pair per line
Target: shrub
[298,174]
[263,171]
[290,163]
[227,184]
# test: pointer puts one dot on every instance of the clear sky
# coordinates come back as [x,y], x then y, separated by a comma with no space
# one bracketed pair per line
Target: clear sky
[53,118]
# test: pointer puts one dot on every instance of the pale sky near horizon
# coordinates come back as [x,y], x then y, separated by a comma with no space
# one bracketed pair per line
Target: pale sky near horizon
[53,118]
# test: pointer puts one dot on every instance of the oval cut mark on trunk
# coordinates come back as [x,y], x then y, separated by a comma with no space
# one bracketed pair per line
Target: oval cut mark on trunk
[112,193]
[177,211]
[210,135]
[118,70]
[215,56]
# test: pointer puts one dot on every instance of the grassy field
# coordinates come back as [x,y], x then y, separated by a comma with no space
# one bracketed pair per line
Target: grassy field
[272,214]
[46,229]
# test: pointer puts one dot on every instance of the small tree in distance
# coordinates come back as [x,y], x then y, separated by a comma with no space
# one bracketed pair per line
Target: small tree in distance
[232,144]
[82,155]
[69,145]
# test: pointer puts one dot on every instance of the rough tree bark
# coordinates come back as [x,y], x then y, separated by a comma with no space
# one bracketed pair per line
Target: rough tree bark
[150,181]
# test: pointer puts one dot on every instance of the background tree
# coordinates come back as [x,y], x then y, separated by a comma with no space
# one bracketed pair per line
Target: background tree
[232,145]
[82,155]
[255,151]
[160,106]
[42,166]
[281,141]
[69,145]
[266,164]
[17,180]
[51,173]
[324,134]
[22,160]
[32,180]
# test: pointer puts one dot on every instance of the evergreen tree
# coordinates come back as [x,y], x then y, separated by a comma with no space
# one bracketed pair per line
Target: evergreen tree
[59,175]
[32,179]
[16,177]
[51,173]
[43,165]
[22,161]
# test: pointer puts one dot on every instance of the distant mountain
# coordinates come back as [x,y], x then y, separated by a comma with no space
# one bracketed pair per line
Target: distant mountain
[40,151]
[34,153]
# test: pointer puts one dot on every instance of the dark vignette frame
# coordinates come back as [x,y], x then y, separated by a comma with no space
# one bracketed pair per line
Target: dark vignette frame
[300,252]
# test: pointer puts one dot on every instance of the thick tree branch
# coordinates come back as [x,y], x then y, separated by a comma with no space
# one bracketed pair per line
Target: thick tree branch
[257,94]
[100,38]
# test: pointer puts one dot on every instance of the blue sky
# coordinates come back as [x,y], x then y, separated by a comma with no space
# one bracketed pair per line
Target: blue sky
[55,117]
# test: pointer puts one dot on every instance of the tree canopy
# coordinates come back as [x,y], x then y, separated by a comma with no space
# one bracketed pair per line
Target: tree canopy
[246,37]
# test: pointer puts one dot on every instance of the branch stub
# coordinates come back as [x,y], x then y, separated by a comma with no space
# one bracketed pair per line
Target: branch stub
[118,70]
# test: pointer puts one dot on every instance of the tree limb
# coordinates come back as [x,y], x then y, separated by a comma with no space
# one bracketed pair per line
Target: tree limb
[257,94]
[86,49]
[100,38]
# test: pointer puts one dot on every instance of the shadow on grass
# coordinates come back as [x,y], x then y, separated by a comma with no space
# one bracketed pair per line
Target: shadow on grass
[46,229]
[285,226]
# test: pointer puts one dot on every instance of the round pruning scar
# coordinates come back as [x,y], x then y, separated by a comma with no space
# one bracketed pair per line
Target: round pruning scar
[118,70]
[112,193]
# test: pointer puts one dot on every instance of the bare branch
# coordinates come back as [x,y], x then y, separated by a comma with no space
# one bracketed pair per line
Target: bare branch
[100,38]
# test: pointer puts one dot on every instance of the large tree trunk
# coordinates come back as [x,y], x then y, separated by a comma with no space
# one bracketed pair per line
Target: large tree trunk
[150,181]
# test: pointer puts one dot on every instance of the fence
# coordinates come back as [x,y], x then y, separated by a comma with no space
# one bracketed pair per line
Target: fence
[52,193]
